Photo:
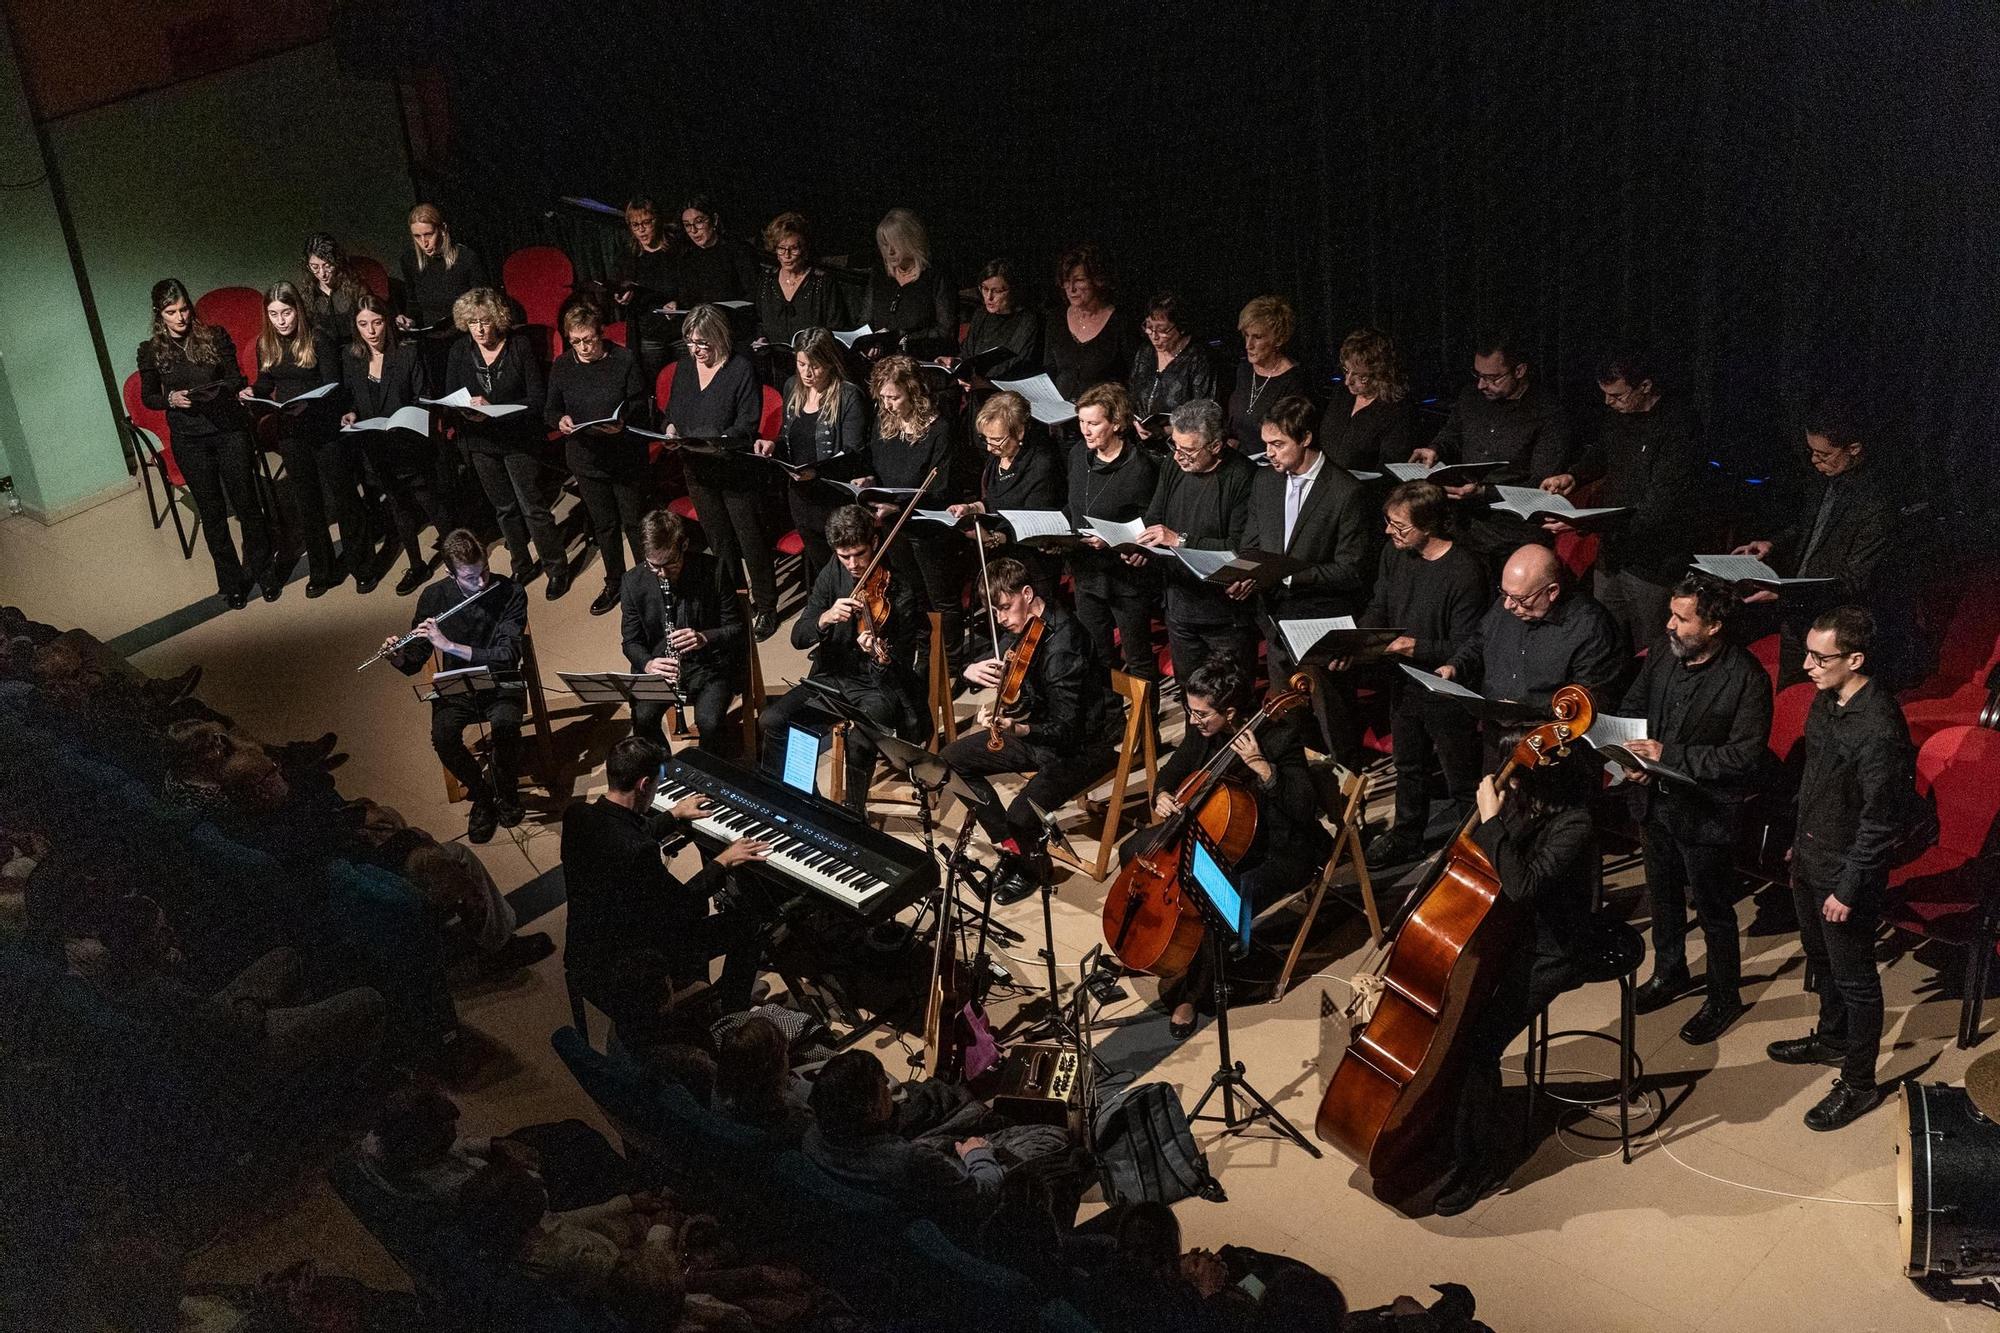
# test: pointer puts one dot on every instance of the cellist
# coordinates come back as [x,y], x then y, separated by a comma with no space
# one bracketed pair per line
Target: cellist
[1537,832]
[866,662]
[1064,726]
[1290,845]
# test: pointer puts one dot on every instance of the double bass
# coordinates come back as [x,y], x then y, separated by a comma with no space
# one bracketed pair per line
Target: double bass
[1150,923]
[1401,1065]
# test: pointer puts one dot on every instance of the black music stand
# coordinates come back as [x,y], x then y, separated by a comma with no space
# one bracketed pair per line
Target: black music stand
[1055,1023]
[1229,1077]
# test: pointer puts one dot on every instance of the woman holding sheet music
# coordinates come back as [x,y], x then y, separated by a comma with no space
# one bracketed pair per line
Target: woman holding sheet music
[825,417]
[496,364]
[436,272]
[1172,369]
[1090,343]
[716,399]
[796,295]
[320,467]
[1001,322]
[188,370]
[911,438]
[1112,478]
[384,375]
[643,282]
[331,289]
[712,267]
[1019,474]
[1370,419]
[595,389]
[907,294]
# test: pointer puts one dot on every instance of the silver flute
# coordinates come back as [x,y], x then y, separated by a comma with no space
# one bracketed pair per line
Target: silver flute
[400,644]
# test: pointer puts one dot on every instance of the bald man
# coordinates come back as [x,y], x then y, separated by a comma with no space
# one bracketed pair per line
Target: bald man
[1539,636]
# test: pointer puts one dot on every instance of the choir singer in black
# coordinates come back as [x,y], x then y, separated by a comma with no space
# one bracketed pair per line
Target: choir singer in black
[1707,705]
[1202,503]
[595,390]
[681,621]
[384,374]
[1504,415]
[1112,477]
[485,633]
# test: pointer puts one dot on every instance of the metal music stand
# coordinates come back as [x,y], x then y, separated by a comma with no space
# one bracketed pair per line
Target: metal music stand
[454,684]
[1229,1077]
[1057,1022]
[620,687]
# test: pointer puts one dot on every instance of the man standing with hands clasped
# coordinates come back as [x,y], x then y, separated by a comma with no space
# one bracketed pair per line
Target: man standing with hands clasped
[1856,796]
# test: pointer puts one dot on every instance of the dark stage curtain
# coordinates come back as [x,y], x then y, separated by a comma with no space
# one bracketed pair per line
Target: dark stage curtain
[1782,198]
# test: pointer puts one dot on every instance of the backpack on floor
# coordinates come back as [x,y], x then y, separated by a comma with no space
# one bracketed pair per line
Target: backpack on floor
[1145,1149]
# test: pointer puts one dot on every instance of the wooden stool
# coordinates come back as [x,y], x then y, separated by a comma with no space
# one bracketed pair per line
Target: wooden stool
[1343,796]
[544,768]
[753,690]
[1137,746]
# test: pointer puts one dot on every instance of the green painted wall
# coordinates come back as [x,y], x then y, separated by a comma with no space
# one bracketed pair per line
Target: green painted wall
[218,182]
[57,431]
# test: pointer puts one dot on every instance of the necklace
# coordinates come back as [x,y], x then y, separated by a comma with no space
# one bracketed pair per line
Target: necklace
[1258,383]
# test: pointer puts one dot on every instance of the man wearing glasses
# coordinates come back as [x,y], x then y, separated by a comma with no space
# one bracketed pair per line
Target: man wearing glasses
[1504,414]
[1202,503]
[1646,456]
[1539,636]
[1855,795]
[1842,532]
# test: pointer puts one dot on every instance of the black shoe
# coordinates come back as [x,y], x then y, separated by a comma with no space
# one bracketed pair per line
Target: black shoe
[1711,1020]
[605,600]
[238,599]
[1394,848]
[1012,885]
[764,624]
[1460,1192]
[272,581]
[1661,989]
[1844,1105]
[365,583]
[509,811]
[479,826]
[1811,1049]
[558,585]
[518,952]
[526,571]
[315,588]
[413,579]
[1181,1031]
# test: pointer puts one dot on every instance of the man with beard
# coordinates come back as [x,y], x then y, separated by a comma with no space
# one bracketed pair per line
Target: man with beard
[1707,705]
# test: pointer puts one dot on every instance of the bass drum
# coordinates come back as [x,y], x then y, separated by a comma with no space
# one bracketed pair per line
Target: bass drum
[1947,1184]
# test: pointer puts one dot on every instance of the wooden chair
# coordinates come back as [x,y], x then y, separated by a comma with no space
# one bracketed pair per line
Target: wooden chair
[1343,796]
[753,689]
[543,766]
[1137,746]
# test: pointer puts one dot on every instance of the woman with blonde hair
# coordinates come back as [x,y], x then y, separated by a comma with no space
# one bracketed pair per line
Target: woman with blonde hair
[321,468]
[906,293]
[825,417]
[498,364]
[1020,473]
[911,438]
[1370,417]
[716,397]
[436,271]
[1266,374]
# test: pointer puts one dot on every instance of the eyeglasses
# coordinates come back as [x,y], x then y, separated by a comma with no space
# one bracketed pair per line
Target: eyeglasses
[1400,529]
[1526,598]
[1160,330]
[1201,714]
[701,344]
[1814,659]
[1500,378]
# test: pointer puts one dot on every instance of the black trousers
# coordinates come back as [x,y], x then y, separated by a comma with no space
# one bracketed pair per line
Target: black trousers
[1423,726]
[1525,988]
[521,488]
[935,567]
[501,711]
[878,703]
[1052,785]
[1274,876]
[1127,606]
[1638,605]
[1333,700]
[812,505]
[735,934]
[408,473]
[615,505]
[324,475]
[708,695]
[1675,871]
[732,518]
[1842,954]
[221,474]
[1188,646]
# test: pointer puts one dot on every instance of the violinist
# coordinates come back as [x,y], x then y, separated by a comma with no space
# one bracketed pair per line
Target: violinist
[1290,844]
[1538,834]
[680,620]
[856,650]
[1063,724]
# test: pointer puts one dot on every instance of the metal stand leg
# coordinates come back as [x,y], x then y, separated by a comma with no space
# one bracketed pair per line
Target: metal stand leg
[1229,1077]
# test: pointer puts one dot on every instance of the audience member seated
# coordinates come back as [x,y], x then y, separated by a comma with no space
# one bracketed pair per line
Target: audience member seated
[475,916]
[1146,1285]
[754,1083]
[414,1151]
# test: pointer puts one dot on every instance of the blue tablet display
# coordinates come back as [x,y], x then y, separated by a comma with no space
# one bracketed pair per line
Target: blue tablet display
[1214,881]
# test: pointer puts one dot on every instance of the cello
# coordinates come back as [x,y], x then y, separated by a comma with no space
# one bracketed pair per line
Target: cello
[1400,1066]
[1150,922]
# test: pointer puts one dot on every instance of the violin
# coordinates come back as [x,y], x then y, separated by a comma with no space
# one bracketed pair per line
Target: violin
[872,588]
[1400,1068]
[1150,922]
[1013,675]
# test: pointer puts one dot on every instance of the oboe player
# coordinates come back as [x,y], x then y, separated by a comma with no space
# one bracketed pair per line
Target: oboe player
[485,633]
[681,622]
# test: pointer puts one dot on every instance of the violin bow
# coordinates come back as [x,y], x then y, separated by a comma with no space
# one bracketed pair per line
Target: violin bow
[986,588]
[882,548]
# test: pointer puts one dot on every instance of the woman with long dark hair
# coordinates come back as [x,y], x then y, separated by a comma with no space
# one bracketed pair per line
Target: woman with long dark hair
[384,374]
[331,289]
[188,370]
[323,470]
[825,417]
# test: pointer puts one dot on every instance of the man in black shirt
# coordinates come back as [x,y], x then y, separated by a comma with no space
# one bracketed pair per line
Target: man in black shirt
[1433,589]
[1202,503]
[1646,456]
[624,901]
[1064,728]
[1503,414]
[681,622]
[868,666]
[1844,532]
[1856,797]
[1707,707]
[486,633]
[1540,636]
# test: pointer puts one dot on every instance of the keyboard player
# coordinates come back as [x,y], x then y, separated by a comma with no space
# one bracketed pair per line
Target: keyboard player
[623,898]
